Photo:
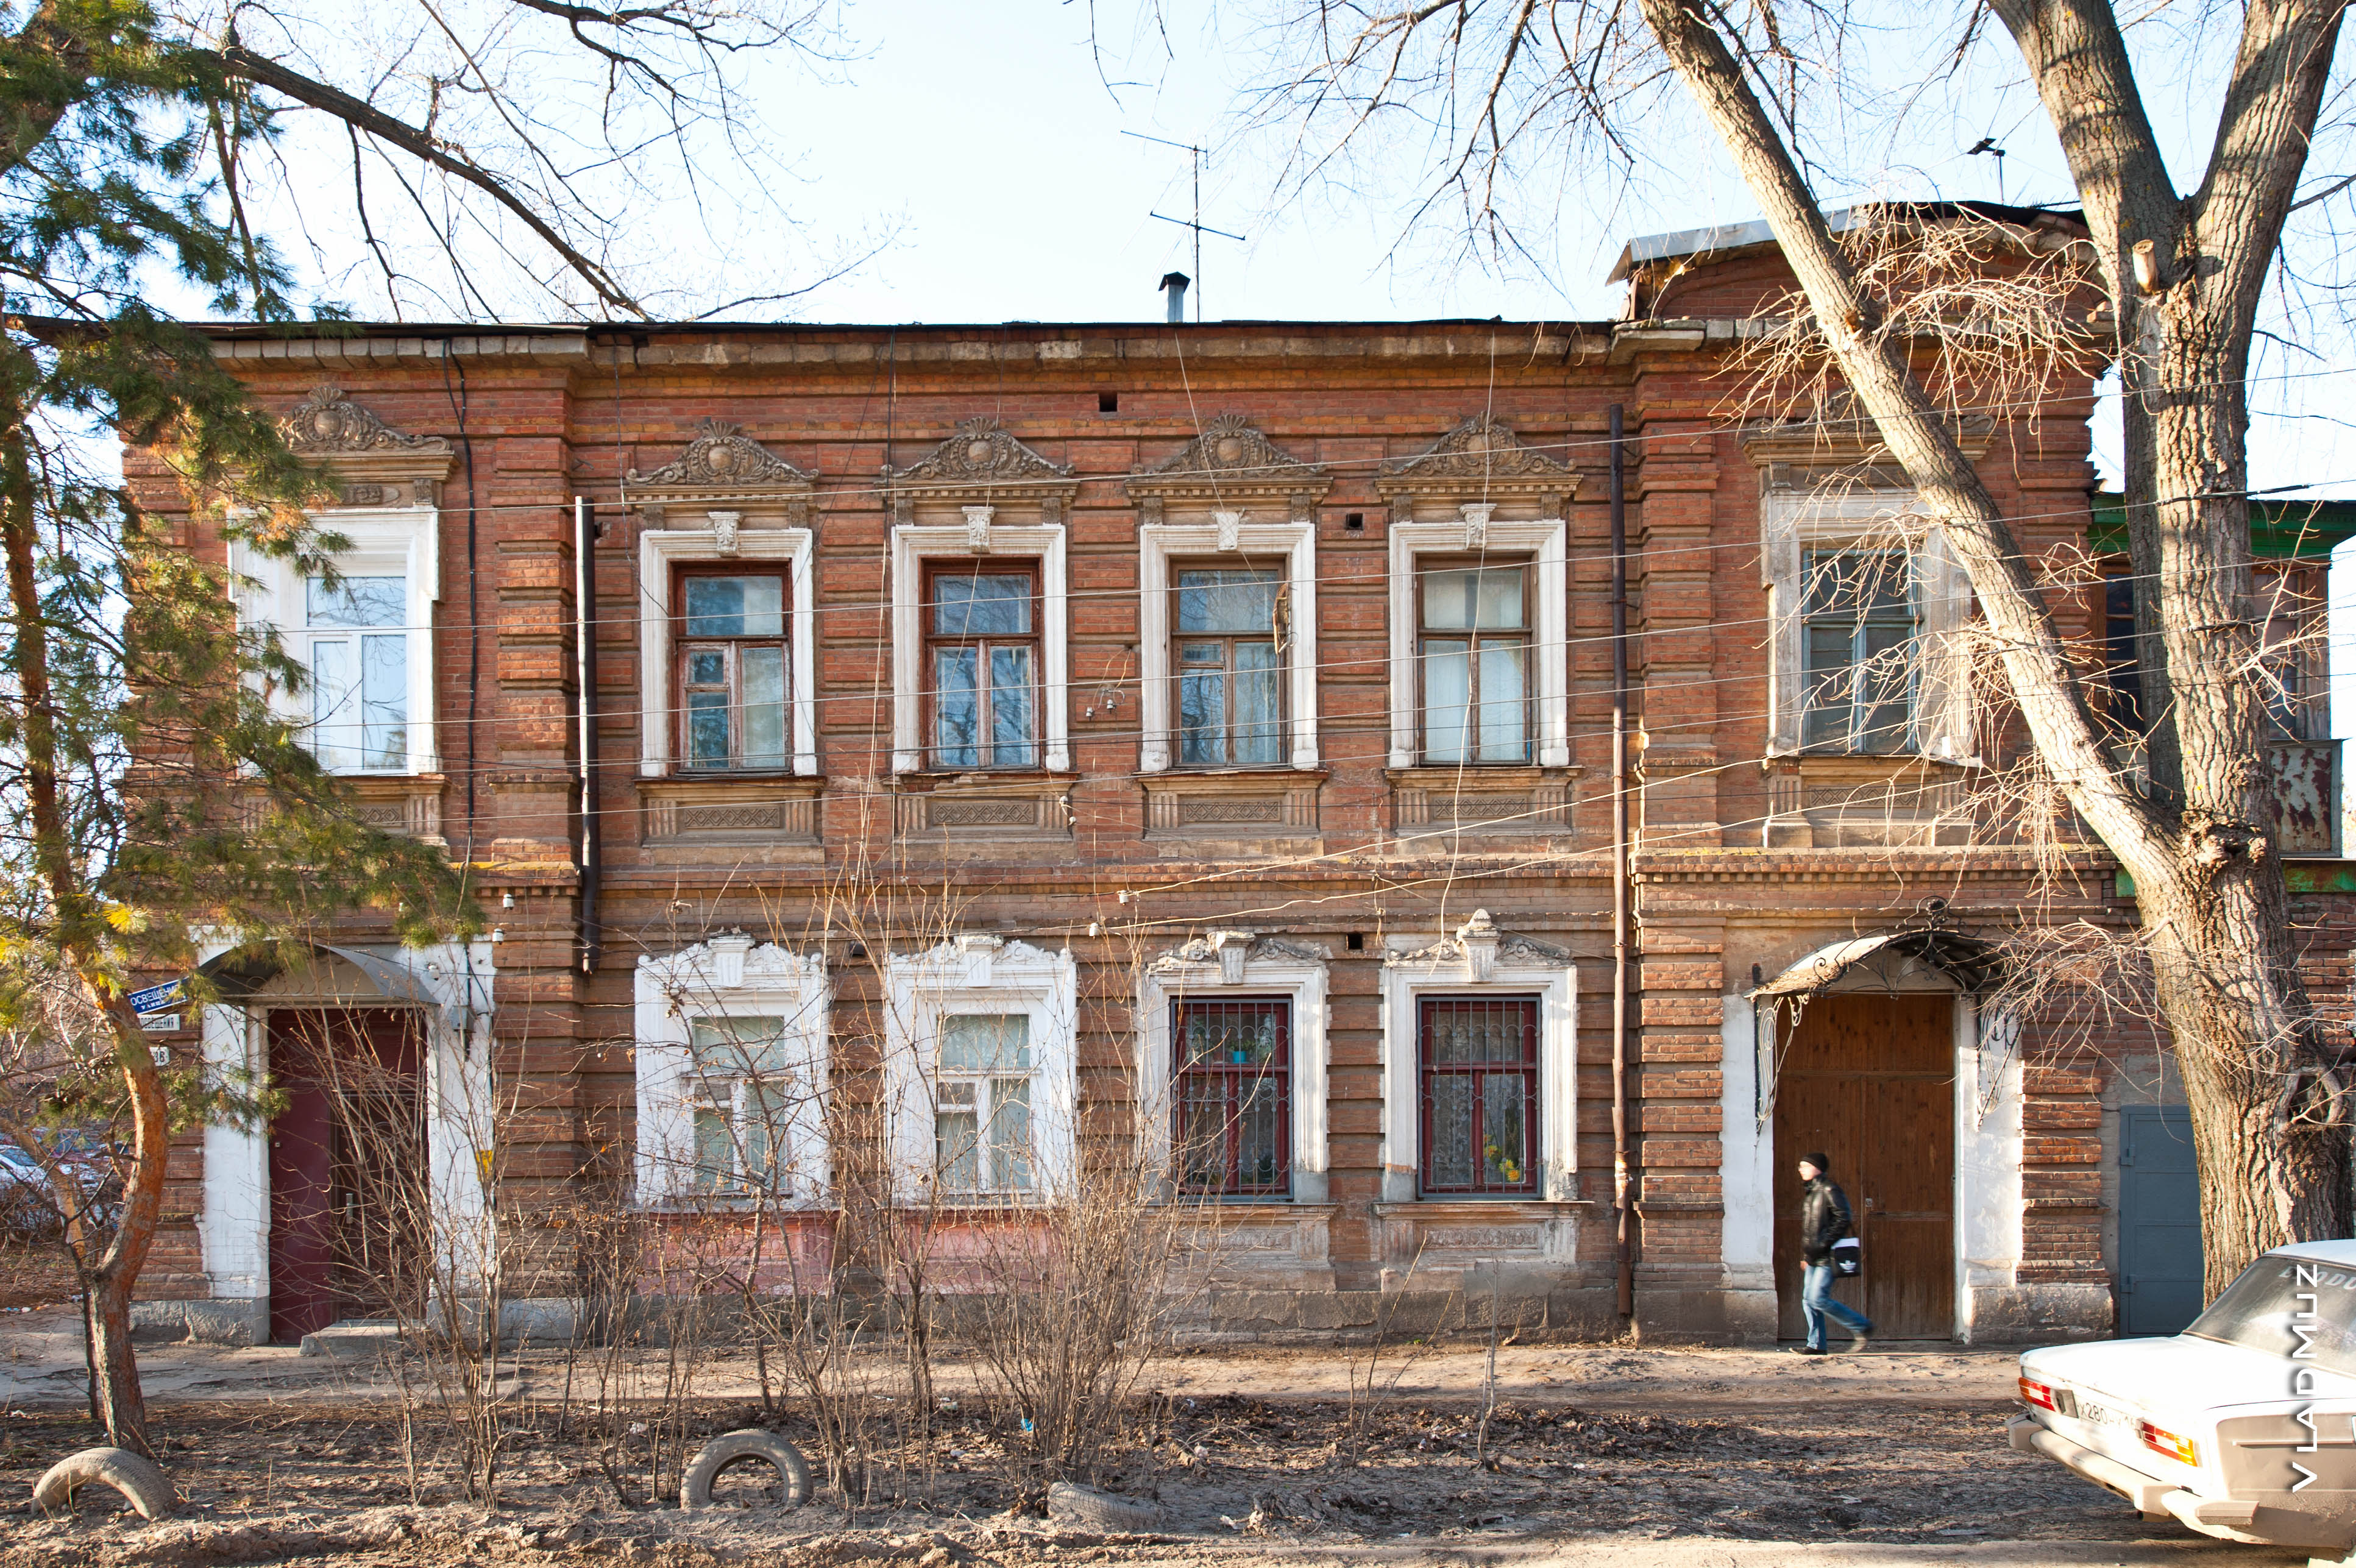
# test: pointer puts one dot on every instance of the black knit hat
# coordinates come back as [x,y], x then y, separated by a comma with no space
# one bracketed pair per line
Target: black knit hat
[1824,1165]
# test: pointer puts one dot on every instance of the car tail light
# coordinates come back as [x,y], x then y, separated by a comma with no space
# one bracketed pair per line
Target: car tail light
[2037,1395]
[2183,1450]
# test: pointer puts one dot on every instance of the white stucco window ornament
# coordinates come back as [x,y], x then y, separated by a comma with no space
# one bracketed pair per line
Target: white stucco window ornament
[1480,1043]
[982,496]
[733,1065]
[1232,1065]
[364,634]
[1227,576]
[979,1072]
[727,499]
[1478,498]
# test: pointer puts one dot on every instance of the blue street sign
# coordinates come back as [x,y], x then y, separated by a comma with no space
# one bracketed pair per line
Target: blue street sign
[156,998]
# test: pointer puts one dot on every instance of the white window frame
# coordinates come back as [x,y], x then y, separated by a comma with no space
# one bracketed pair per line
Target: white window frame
[405,542]
[1229,537]
[1236,964]
[661,550]
[978,972]
[915,543]
[1546,543]
[1480,961]
[1794,523]
[733,977]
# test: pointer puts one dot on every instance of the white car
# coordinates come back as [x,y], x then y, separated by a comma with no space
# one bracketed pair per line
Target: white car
[2244,1426]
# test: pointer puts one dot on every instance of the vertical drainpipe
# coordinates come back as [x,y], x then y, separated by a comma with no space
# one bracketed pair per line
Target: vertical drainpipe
[1622,1204]
[585,604]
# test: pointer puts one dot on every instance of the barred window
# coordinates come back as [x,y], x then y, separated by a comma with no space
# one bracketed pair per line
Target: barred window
[1479,1067]
[1233,1066]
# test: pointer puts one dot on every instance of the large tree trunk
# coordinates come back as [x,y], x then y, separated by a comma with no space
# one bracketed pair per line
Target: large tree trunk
[2261,1081]
[79,941]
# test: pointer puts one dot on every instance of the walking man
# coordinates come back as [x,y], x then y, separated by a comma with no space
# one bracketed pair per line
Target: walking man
[1824,1219]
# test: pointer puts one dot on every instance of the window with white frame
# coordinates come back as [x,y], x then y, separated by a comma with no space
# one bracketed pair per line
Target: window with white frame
[1480,656]
[363,635]
[1867,606]
[355,641]
[1232,1068]
[726,661]
[746,1082]
[1480,1069]
[1227,643]
[980,646]
[1862,631]
[981,1103]
[980,1070]
[732,1073]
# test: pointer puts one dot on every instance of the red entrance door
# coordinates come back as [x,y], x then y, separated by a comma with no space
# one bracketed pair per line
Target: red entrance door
[346,1164]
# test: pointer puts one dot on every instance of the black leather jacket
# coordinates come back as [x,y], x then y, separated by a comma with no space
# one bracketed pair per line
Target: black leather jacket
[1823,1218]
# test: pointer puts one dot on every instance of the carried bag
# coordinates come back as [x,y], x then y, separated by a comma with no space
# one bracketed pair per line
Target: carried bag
[1847,1258]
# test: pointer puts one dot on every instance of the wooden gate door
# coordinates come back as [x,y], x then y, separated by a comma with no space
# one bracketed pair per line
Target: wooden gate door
[345,1155]
[1870,1081]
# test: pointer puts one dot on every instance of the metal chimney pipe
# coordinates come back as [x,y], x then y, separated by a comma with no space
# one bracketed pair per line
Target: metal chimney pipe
[1174,285]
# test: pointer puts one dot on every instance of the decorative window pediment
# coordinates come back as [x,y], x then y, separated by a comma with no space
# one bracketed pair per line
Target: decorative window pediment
[1230,463]
[1480,948]
[980,464]
[722,462]
[375,464]
[1481,461]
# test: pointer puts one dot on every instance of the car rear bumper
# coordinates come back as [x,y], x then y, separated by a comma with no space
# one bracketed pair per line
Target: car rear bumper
[2147,1493]
[2223,1518]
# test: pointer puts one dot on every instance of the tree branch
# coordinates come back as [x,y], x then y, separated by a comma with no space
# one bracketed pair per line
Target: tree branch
[245,65]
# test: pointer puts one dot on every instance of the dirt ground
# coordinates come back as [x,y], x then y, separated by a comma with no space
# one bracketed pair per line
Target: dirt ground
[1623,1453]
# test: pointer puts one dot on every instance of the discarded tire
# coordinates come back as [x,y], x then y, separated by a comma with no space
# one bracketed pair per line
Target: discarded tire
[747,1447]
[141,1482]
[1068,1504]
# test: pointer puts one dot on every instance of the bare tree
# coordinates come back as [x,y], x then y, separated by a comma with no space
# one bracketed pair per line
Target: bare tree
[1491,86]
[152,793]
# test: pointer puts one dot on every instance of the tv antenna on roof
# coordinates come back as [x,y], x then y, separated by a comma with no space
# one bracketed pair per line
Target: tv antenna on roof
[1987,144]
[1195,223]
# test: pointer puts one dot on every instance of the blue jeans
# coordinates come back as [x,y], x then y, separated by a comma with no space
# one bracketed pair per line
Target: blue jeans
[1816,1304]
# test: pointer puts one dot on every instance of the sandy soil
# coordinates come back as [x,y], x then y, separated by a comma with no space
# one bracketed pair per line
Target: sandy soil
[1624,1455]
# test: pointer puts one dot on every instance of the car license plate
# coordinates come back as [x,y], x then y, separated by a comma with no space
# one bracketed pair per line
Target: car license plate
[2101,1414]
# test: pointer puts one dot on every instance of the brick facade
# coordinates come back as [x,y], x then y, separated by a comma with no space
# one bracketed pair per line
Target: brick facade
[1352,856]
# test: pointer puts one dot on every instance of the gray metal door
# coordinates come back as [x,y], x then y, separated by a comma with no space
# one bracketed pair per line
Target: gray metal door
[2159,1221]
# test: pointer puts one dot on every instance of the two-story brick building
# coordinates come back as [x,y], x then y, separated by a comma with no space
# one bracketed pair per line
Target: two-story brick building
[1021,734]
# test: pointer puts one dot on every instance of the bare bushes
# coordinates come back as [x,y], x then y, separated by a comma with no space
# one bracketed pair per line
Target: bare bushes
[1072,1299]
[395,1221]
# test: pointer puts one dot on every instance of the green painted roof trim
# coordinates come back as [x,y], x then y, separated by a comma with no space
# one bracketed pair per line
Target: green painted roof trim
[2279,529]
[2322,875]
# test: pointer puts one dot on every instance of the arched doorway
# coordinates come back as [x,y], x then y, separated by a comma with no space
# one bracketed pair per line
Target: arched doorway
[364,1178]
[1859,1046]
